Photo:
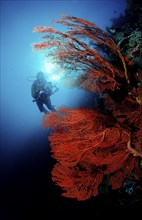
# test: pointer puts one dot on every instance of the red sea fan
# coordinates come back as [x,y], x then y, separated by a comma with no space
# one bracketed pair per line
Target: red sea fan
[129,116]
[74,53]
[88,146]
[77,183]
[129,170]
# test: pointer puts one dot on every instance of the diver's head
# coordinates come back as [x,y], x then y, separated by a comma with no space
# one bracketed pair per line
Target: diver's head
[40,75]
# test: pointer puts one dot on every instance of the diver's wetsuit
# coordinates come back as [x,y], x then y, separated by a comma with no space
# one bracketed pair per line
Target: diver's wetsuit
[44,99]
[41,91]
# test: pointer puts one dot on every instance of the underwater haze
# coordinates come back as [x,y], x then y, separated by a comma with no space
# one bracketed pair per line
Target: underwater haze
[25,151]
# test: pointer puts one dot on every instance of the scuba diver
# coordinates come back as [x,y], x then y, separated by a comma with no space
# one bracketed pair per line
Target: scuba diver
[41,90]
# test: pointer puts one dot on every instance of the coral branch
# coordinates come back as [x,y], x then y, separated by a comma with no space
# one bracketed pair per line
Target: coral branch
[74,52]
[88,145]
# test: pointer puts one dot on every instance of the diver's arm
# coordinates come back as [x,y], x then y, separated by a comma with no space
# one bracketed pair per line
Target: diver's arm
[50,89]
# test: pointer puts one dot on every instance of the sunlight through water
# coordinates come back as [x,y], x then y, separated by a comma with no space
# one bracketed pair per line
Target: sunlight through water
[52,71]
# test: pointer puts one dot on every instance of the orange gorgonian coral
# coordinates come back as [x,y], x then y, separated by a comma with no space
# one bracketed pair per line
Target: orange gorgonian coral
[88,145]
[68,50]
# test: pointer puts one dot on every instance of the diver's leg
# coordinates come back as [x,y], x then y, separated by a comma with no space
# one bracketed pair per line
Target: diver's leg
[49,105]
[40,106]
